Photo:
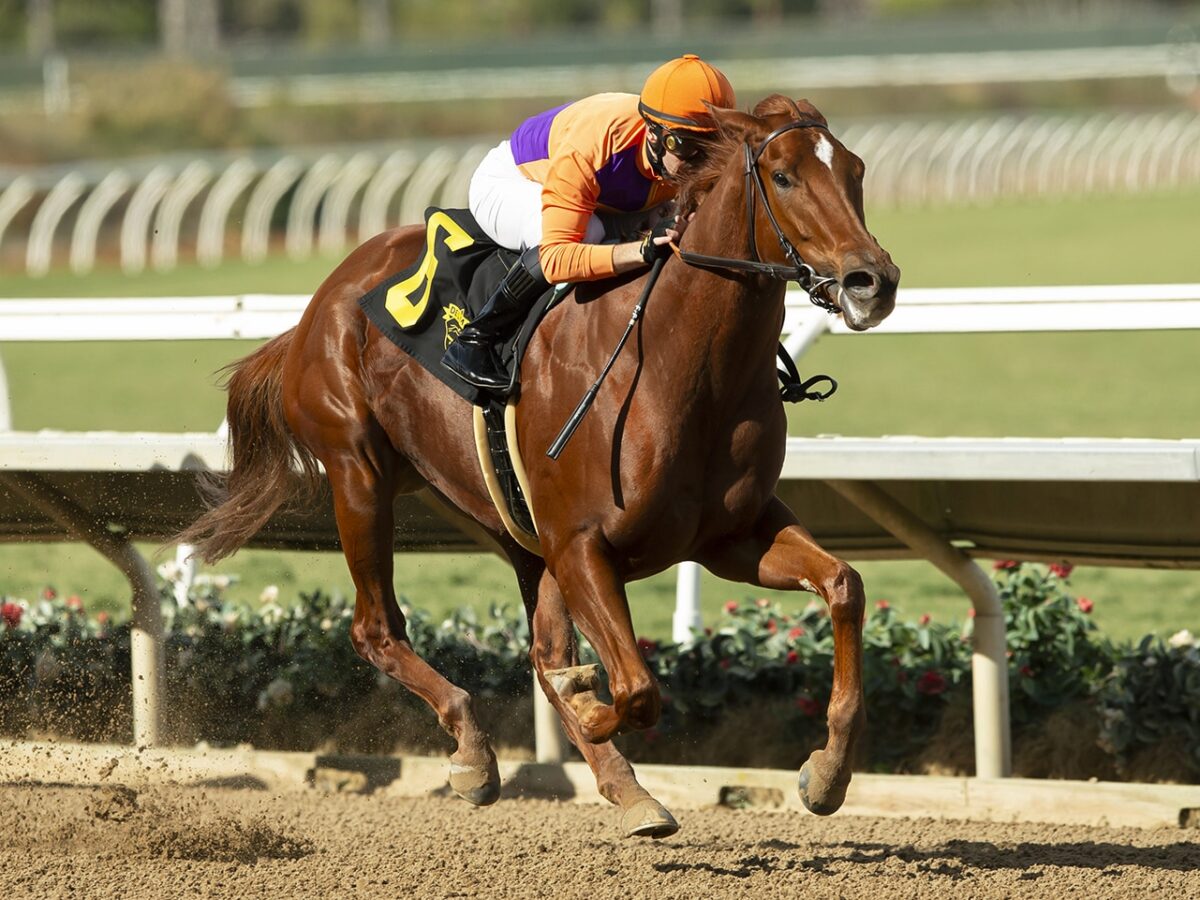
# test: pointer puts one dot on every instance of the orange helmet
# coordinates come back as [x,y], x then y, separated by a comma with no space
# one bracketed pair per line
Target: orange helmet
[674,93]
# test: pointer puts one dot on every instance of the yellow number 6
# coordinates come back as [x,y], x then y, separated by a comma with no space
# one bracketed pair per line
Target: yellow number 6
[407,308]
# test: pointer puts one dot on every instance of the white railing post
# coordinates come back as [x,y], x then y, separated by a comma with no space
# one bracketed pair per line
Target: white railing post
[5,400]
[687,619]
[185,562]
[550,744]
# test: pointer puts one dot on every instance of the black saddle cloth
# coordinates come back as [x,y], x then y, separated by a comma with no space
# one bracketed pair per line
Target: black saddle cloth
[423,308]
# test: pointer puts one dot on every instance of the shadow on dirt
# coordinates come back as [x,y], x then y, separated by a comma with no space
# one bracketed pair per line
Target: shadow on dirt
[955,856]
[955,859]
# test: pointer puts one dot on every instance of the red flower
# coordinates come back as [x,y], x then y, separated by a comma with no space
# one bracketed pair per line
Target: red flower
[73,602]
[1085,605]
[931,683]
[1026,671]
[971,613]
[1003,565]
[102,618]
[882,604]
[731,606]
[647,646]
[725,663]
[793,657]
[11,614]
[925,619]
[771,626]
[808,706]
[796,632]
[49,593]
[1062,570]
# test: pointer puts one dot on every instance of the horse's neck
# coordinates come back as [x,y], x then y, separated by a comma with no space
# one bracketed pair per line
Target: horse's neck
[728,324]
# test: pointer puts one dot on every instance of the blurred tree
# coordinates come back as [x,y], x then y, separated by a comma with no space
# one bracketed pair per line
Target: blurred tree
[188,27]
[850,9]
[667,16]
[260,18]
[329,23]
[39,26]
[375,22]
[92,23]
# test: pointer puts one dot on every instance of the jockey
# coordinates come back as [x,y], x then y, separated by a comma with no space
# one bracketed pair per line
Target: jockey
[539,193]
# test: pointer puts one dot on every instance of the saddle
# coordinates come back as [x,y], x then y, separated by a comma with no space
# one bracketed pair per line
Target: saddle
[424,307]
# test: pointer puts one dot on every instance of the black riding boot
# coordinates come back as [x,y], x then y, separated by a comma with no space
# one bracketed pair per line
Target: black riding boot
[474,356]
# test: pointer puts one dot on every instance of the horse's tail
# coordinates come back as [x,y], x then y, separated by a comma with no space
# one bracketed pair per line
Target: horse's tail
[264,455]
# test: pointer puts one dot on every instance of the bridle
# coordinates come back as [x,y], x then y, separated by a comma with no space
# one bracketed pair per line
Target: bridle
[816,286]
[794,388]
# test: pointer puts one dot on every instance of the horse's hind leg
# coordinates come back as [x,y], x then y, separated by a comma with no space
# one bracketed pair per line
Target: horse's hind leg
[553,648]
[364,485]
[778,553]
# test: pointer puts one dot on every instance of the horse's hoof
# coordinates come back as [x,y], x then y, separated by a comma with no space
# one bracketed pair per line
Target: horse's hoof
[648,818]
[573,680]
[816,794]
[479,787]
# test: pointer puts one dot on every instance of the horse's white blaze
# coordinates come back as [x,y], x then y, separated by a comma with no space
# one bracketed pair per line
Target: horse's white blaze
[825,152]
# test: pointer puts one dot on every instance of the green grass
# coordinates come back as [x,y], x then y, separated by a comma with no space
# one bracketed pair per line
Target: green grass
[1109,385]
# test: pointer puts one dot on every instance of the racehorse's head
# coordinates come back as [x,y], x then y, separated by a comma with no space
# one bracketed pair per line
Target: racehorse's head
[813,186]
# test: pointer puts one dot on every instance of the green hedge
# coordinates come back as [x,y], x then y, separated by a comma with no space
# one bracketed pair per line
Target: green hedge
[750,691]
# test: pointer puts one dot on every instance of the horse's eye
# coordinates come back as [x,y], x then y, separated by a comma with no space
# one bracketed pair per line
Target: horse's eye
[781,179]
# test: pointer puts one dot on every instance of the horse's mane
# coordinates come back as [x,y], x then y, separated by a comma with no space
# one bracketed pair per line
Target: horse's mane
[696,183]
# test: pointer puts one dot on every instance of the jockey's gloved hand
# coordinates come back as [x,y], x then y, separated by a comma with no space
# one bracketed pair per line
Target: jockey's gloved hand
[652,250]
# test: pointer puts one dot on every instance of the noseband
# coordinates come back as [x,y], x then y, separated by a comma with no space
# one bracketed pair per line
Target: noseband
[799,271]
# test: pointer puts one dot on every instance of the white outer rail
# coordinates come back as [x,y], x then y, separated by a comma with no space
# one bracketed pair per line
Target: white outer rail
[848,468]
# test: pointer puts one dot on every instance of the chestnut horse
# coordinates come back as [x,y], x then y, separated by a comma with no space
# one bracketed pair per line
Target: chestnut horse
[678,459]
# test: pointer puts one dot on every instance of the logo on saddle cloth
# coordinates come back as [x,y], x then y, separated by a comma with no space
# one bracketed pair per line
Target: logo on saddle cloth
[408,300]
[456,320]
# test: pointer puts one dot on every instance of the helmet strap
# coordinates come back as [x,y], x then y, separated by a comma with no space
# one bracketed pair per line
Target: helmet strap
[655,149]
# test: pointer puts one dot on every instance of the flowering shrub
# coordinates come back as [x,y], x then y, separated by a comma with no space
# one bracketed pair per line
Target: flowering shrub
[1152,695]
[288,677]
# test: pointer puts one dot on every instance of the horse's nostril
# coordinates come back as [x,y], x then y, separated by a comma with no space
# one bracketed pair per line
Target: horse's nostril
[861,284]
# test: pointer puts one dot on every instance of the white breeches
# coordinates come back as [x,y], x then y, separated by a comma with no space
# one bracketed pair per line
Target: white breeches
[508,206]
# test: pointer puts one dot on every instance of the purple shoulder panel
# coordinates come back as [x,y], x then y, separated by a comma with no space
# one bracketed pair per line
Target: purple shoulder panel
[531,140]
[622,186]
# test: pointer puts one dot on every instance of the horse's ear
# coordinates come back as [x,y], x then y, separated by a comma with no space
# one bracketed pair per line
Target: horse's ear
[780,105]
[733,122]
[808,111]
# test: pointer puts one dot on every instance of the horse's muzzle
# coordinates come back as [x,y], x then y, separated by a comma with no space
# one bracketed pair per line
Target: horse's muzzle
[867,294]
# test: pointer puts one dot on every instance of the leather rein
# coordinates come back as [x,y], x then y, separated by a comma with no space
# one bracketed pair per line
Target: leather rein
[817,287]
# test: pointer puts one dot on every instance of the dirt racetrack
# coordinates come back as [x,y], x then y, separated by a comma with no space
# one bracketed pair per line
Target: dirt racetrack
[112,841]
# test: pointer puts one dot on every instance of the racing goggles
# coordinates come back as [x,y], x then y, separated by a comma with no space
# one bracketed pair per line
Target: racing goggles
[687,147]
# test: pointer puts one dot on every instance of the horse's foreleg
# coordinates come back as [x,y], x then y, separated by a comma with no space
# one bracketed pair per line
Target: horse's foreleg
[595,599]
[362,497]
[781,555]
[553,648]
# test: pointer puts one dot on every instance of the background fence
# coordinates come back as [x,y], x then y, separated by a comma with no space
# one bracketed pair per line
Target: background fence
[210,207]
